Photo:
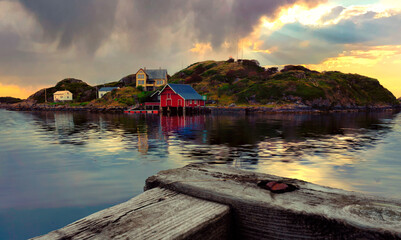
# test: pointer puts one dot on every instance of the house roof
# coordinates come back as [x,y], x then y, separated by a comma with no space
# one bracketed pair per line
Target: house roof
[156,92]
[156,73]
[185,91]
[62,92]
[107,89]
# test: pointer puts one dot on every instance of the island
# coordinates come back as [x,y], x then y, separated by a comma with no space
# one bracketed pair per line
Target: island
[232,85]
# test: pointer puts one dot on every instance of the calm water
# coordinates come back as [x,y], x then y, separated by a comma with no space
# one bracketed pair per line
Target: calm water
[58,167]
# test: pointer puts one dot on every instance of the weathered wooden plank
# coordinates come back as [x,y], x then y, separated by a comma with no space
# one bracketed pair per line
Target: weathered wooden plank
[155,214]
[311,212]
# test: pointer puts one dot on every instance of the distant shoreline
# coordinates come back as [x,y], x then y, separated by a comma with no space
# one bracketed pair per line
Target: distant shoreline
[60,108]
[213,109]
[301,110]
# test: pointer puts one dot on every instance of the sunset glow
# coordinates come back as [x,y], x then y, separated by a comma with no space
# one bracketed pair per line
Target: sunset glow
[40,49]
[15,91]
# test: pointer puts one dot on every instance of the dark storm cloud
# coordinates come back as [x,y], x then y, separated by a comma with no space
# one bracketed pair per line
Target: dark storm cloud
[103,40]
[89,22]
[77,22]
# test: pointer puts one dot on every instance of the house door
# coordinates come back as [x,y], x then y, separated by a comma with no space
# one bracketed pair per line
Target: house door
[169,102]
[179,103]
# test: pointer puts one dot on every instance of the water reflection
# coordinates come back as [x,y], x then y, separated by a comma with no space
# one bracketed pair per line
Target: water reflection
[247,140]
[77,161]
[318,148]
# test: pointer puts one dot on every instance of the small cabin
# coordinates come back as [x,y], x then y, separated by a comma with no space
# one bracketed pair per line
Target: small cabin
[105,90]
[180,95]
[61,96]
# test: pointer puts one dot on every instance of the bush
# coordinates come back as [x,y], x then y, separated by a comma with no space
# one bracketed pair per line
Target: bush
[144,96]
[272,70]
[210,66]
[296,68]
[219,78]
[209,73]
[187,72]
[140,88]
[195,78]
[308,92]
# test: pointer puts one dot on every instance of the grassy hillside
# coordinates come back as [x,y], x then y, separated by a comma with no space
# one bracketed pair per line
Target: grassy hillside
[123,97]
[82,92]
[245,82]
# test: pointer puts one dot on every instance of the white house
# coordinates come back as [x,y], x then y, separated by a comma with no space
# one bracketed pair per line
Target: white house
[62,96]
[105,90]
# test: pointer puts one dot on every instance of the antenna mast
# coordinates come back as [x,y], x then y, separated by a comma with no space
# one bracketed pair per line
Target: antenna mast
[237,46]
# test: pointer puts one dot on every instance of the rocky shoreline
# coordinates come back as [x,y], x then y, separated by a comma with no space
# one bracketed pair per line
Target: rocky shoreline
[26,106]
[302,109]
[60,108]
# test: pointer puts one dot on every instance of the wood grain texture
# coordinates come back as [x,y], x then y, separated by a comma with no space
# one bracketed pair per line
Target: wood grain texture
[311,212]
[155,214]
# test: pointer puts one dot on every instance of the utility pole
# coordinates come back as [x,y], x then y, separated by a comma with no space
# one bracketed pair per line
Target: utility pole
[45,96]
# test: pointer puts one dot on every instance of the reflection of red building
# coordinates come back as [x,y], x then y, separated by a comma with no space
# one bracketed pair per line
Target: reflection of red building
[177,123]
[180,95]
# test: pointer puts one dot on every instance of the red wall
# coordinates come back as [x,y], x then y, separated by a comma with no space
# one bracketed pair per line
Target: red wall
[174,100]
[191,103]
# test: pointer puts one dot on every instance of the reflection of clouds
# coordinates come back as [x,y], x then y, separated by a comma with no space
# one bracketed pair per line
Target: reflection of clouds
[42,167]
[327,150]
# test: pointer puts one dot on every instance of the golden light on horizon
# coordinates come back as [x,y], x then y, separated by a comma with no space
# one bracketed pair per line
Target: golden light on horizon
[381,62]
[15,91]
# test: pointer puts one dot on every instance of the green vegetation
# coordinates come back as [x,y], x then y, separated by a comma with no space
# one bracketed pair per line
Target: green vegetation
[82,92]
[246,83]
[85,95]
[242,82]
[123,97]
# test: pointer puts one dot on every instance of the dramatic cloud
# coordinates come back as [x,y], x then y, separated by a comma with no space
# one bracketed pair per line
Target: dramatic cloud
[333,14]
[298,43]
[90,22]
[363,29]
[74,21]
[44,41]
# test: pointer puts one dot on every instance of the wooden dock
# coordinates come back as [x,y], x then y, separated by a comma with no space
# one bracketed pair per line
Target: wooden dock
[204,201]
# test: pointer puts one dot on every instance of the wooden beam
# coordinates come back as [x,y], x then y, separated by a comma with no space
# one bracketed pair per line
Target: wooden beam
[155,214]
[309,212]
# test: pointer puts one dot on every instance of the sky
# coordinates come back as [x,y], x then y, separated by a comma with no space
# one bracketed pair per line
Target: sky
[99,41]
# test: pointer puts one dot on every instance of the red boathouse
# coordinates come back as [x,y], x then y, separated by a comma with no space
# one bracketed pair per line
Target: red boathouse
[179,97]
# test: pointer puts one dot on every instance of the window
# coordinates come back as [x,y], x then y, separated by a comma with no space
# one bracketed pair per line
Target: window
[195,101]
[168,95]
[141,76]
[160,82]
[141,82]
